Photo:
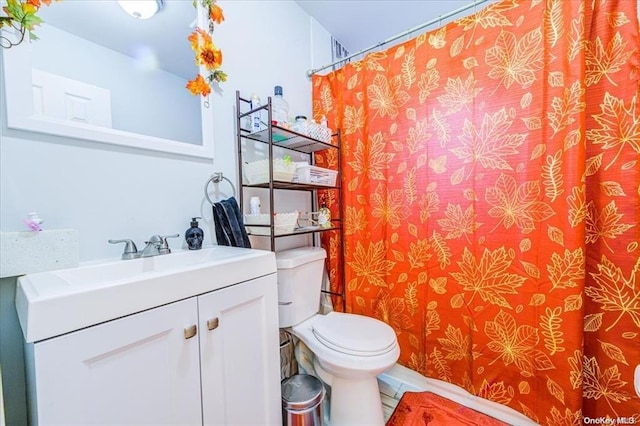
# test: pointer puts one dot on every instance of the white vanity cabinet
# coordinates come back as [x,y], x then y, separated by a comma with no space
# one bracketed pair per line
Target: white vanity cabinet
[240,356]
[135,370]
[210,359]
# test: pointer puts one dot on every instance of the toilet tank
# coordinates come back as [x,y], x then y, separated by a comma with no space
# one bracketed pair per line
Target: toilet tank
[300,273]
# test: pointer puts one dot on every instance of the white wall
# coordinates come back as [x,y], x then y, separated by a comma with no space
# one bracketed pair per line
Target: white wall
[107,192]
[110,192]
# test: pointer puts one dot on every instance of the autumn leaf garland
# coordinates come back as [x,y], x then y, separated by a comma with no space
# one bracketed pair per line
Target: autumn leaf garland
[206,53]
[21,15]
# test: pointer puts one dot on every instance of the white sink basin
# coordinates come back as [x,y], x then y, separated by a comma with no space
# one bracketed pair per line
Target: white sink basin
[57,302]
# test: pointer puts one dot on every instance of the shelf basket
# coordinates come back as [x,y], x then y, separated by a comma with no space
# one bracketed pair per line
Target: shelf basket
[315,175]
[284,223]
[257,172]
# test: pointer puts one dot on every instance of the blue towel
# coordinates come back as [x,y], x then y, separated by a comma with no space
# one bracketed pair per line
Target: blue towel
[229,224]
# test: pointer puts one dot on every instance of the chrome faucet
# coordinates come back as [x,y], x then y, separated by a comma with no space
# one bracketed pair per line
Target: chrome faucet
[156,246]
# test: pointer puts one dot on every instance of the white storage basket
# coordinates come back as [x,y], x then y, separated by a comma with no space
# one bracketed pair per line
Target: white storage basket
[257,172]
[315,175]
[284,223]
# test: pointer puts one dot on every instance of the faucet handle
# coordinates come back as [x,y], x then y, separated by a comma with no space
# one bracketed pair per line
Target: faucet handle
[130,249]
[164,245]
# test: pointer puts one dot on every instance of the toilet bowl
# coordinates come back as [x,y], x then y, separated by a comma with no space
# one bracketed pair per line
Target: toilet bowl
[350,351]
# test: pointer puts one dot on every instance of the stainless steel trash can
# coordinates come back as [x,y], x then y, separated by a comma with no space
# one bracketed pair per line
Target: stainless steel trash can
[302,397]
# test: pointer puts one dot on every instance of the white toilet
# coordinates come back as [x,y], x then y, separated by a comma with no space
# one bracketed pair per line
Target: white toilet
[349,350]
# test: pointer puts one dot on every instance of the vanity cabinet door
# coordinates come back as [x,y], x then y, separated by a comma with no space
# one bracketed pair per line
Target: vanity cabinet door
[240,357]
[140,369]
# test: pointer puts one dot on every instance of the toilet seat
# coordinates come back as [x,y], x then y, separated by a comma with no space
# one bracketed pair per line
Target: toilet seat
[354,334]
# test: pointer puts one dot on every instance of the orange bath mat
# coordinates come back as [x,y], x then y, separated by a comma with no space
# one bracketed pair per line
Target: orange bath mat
[429,409]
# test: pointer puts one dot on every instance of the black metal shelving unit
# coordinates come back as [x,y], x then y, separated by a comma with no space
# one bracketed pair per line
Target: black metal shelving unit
[276,136]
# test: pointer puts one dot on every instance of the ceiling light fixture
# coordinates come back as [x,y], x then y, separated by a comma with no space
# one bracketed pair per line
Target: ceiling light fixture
[141,9]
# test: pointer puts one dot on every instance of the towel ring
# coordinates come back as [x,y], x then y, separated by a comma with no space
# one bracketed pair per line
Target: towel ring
[216,177]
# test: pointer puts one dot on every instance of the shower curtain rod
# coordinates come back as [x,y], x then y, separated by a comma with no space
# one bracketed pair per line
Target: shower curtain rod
[395,37]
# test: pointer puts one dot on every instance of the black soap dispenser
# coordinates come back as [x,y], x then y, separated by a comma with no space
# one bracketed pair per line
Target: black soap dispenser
[194,235]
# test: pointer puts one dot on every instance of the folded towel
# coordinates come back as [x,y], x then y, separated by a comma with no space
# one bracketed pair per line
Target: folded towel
[229,224]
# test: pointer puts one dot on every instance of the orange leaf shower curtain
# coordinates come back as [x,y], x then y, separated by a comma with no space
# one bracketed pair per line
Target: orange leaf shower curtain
[492,202]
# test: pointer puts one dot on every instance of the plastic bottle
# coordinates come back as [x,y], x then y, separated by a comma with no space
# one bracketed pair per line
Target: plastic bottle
[256,124]
[300,125]
[254,205]
[280,108]
[194,235]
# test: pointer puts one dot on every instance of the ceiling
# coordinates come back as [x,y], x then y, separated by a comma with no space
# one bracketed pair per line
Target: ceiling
[356,24]
[359,24]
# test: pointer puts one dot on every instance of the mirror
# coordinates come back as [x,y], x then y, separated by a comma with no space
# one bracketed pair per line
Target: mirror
[99,74]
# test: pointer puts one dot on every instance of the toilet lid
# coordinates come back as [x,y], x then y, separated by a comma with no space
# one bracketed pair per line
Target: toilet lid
[354,334]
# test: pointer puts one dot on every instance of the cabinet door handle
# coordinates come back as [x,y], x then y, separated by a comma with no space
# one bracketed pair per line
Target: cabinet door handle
[190,331]
[213,323]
